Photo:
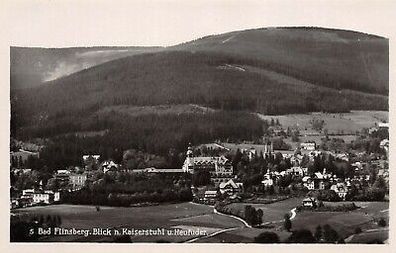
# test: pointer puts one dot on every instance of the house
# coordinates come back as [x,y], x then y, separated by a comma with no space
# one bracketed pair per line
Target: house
[62,172]
[342,157]
[311,145]
[39,197]
[317,181]
[77,181]
[267,181]
[22,155]
[341,189]
[382,125]
[309,202]
[108,165]
[230,187]
[297,171]
[286,154]
[87,157]
[21,171]
[14,203]
[31,196]
[46,197]
[62,176]
[251,154]
[308,183]
[210,197]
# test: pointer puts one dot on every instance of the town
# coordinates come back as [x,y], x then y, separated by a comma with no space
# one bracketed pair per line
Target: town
[277,168]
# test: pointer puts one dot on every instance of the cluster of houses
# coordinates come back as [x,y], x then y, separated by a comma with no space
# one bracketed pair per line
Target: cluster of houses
[221,175]
[31,197]
[72,179]
[219,167]
[230,188]
[317,181]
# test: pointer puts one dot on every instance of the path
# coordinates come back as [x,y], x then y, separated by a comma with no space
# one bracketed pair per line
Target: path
[232,216]
[212,234]
[293,215]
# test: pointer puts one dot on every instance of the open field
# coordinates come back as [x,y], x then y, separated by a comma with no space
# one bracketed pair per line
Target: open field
[273,212]
[164,216]
[195,217]
[335,123]
[370,235]
[344,222]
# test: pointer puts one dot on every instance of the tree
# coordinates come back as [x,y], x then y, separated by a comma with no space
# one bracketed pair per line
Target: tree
[250,215]
[380,183]
[382,222]
[267,237]
[259,214]
[287,222]
[318,233]
[301,236]
[329,234]
[317,124]
[358,230]
[201,177]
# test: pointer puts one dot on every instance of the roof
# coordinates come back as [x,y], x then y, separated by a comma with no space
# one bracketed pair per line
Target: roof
[156,170]
[24,151]
[169,170]
[230,182]
[381,124]
[210,192]
[208,160]
[319,175]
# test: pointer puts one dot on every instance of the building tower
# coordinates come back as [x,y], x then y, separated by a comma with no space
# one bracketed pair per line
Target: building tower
[188,163]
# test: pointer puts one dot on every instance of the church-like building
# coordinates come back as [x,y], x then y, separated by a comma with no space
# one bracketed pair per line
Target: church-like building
[219,167]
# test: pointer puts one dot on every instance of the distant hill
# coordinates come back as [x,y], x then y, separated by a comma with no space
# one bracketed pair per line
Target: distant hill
[154,99]
[208,79]
[327,57]
[30,67]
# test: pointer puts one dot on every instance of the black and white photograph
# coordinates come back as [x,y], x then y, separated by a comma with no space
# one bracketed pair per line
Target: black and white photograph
[220,126]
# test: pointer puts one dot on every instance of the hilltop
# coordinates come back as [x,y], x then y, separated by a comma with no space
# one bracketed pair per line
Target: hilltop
[328,57]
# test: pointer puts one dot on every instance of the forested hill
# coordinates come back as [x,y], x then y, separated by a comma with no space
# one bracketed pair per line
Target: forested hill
[210,89]
[327,57]
[209,79]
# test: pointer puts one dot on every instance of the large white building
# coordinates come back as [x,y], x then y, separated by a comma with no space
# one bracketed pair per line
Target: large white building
[219,167]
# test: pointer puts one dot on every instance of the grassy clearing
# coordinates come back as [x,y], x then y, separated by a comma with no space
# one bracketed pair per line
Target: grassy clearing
[344,223]
[272,212]
[151,217]
[159,109]
[335,123]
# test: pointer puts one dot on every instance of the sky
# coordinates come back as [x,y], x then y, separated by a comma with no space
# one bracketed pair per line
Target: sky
[68,23]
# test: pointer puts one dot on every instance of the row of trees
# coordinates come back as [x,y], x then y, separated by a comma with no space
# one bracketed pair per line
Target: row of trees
[125,189]
[325,234]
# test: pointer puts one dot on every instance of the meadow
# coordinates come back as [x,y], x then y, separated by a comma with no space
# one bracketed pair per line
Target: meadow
[335,123]
[182,216]
[344,223]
